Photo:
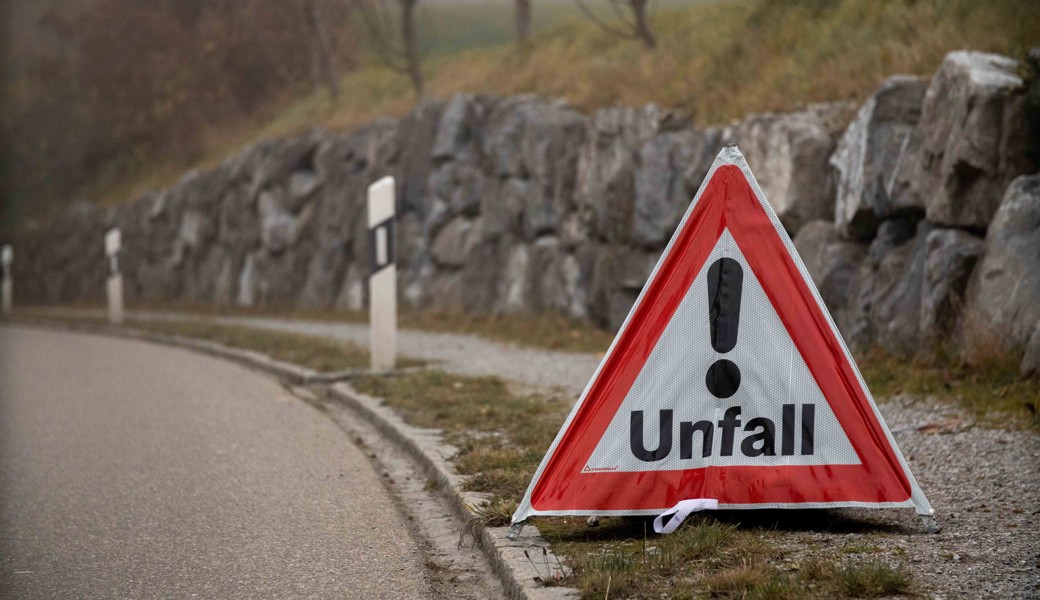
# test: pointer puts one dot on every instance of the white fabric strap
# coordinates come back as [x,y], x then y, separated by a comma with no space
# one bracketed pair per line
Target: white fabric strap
[680,511]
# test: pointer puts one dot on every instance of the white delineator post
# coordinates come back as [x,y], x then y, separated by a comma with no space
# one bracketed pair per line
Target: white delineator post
[382,282]
[114,287]
[6,258]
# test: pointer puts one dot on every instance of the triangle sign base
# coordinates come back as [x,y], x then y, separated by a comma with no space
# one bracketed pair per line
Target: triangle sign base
[728,381]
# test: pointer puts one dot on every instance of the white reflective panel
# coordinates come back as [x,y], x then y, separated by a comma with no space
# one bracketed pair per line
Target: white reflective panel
[113,241]
[380,201]
[114,291]
[772,373]
[382,254]
[383,328]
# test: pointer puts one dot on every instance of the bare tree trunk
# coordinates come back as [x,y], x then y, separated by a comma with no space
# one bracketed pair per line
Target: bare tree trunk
[322,56]
[410,37]
[523,22]
[642,24]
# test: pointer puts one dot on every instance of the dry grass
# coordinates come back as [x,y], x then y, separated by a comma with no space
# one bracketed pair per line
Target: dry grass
[716,60]
[501,436]
[547,331]
[319,354]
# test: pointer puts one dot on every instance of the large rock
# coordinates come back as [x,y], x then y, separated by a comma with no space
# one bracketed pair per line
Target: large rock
[352,292]
[454,244]
[618,276]
[247,283]
[605,170]
[416,135]
[1003,306]
[480,276]
[503,209]
[891,234]
[970,142]
[555,277]
[278,279]
[1032,105]
[789,155]
[275,160]
[194,234]
[300,189]
[553,138]
[869,151]
[200,190]
[886,304]
[832,262]
[459,128]
[514,284]
[460,187]
[950,257]
[662,188]
[238,227]
[1031,357]
[280,229]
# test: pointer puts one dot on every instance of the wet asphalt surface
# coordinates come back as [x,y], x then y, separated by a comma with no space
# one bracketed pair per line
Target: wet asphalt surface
[132,470]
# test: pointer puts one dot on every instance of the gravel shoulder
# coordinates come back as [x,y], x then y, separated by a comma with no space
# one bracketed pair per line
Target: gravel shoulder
[984,484]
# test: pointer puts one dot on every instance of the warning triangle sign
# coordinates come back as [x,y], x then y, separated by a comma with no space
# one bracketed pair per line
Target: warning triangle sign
[727,382]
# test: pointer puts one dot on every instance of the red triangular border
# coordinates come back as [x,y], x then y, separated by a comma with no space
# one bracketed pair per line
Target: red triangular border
[727,201]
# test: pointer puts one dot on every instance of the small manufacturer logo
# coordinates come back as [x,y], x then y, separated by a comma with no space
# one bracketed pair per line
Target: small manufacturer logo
[589,469]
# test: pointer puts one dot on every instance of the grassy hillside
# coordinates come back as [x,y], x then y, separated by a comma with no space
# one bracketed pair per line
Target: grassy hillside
[716,60]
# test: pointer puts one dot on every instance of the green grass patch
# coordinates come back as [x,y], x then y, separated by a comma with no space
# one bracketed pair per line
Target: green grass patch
[752,581]
[501,436]
[319,354]
[993,392]
[872,579]
[708,558]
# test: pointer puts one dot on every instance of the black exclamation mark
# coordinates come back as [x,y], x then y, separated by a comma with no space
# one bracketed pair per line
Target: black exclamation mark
[725,280]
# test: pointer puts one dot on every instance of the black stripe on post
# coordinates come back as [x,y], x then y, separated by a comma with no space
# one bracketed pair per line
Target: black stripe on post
[374,265]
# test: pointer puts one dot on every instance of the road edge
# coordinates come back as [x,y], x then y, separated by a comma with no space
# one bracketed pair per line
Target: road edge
[517,571]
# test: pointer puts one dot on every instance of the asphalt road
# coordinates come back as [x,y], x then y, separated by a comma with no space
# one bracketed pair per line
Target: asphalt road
[131,470]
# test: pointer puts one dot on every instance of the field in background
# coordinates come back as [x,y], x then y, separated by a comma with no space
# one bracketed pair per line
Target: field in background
[452,26]
[717,61]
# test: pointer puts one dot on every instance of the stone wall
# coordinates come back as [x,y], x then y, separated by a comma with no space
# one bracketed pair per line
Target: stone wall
[910,219]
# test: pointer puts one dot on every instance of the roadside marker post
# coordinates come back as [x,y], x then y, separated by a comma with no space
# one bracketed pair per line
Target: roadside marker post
[727,387]
[114,285]
[382,281]
[6,258]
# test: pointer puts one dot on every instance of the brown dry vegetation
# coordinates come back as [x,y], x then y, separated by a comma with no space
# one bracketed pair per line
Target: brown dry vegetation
[716,60]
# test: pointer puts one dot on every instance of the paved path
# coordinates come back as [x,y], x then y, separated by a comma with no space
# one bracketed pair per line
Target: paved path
[463,354]
[132,470]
